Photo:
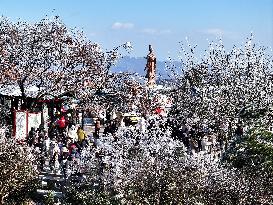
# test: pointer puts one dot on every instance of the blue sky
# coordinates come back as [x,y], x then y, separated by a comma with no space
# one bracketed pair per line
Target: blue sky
[160,23]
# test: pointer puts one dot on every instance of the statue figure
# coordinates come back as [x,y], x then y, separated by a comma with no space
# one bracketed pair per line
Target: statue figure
[150,67]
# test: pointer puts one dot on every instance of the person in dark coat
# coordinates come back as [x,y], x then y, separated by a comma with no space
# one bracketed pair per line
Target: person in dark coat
[97,128]
[31,136]
[200,135]
[107,128]
[113,127]
[239,130]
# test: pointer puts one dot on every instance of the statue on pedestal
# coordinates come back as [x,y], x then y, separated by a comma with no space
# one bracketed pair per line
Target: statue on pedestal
[150,67]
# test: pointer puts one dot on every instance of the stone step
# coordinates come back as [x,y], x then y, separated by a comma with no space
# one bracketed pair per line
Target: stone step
[58,178]
[45,188]
[43,192]
[49,185]
[46,167]
[52,173]
[44,183]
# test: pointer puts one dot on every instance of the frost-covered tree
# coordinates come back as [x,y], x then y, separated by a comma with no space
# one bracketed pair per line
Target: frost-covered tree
[152,168]
[120,158]
[221,85]
[54,58]
[98,87]
[40,54]
[123,91]
[19,173]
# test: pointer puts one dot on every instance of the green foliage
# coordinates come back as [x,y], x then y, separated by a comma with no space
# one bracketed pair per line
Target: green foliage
[88,195]
[254,150]
[27,192]
[49,200]
[250,112]
[18,170]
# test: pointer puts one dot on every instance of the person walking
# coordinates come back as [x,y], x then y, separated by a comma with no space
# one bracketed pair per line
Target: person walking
[72,133]
[81,134]
[46,145]
[200,136]
[142,125]
[63,159]
[97,128]
[31,136]
[54,156]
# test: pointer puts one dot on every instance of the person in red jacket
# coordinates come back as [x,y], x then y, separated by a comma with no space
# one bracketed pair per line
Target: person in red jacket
[62,122]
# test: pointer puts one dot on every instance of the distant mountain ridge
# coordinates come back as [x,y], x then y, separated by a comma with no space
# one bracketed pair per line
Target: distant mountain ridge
[137,65]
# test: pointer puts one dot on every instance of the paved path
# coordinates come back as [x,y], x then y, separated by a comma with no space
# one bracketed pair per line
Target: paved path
[51,183]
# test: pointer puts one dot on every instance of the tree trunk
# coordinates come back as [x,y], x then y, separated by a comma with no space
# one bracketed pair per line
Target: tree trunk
[23,94]
[21,84]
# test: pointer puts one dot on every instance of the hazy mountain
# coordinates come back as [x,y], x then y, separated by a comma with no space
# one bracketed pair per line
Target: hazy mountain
[132,64]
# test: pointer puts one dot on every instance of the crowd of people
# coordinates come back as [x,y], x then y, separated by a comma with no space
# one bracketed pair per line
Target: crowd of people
[61,147]
[195,137]
[63,144]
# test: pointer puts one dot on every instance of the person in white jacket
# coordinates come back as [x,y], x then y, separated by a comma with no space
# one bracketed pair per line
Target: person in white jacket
[47,145]
[142,125]
[72,133]
[206,144]
[102,116]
